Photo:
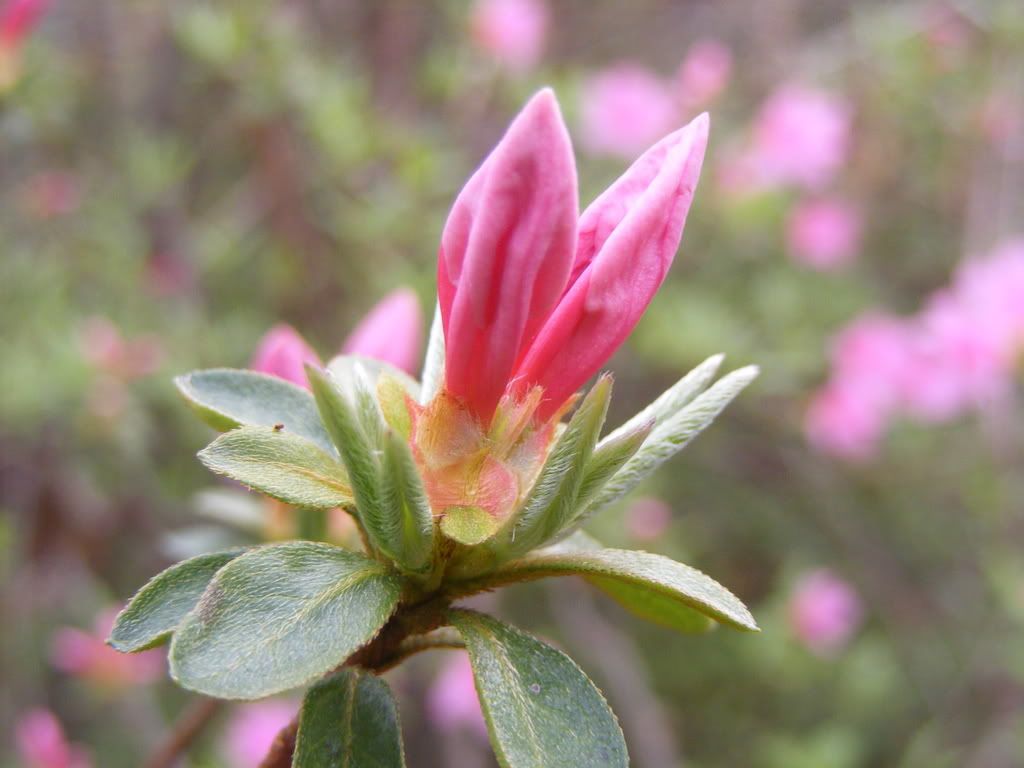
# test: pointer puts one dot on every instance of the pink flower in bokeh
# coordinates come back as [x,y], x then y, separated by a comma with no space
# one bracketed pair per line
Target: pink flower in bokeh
[511,31]
[17,20]
[704,73]
[40,742]
[624,109]
[50,194]
[452,701]
[252,730]
[648,518]
[959,352]
[801,136]
[282,352]
[843,424]
[823,234]
[106,348]
[824,612]
[391,332]
[86,655]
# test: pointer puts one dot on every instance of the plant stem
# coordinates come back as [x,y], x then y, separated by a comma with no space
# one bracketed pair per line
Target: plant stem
[185,731]
[409,631]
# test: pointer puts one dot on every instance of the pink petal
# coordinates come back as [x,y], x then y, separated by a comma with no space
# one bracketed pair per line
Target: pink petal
[282,352]
[628,239]
[511,31]
[506,253]
[392,331]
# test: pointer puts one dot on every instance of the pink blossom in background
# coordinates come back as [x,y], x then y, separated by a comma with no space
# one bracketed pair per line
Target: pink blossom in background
[704,73]
[452,701]
[801,136]
[252,729]
[823,234]
[647,519]
[282,352]
[105,347]
[40,742]
[391,332]
[18,18]
[824,612]
[958,353]
[510,31]
[624,109]
[50,194]
[841,423]
[86,655]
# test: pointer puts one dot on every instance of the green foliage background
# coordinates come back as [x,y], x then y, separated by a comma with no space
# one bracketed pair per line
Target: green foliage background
[293,161]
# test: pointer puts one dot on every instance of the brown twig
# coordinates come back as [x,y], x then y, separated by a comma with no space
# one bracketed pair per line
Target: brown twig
[281,751]
[185,731]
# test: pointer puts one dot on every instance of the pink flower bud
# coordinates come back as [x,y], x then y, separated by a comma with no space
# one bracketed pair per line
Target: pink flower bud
[282,352]
[40,742]
[506,252]
[511,31]
[823,234]
[628,238]
[624,109]
[452,701]
[252,730]
[824,612]
[391,332]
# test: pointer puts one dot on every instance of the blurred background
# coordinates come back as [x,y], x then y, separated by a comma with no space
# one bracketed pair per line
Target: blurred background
[176,178]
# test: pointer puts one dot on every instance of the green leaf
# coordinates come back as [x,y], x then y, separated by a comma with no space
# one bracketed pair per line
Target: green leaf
[226,398]
[654,606]
[432,378]
[403,493]
[608,458]
[349,719]
[541,710]
[642,572]
[671,400]
[552,500]
[343,367]
[343,419]
[281,465]
[672,435]
[156,610]
[281,616]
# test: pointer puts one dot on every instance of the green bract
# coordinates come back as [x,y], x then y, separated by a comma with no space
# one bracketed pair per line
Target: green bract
[248,624]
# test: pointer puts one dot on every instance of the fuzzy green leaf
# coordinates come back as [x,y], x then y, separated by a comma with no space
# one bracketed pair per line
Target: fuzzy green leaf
[671,400]
[541,710]
[672,435]
[349,719]
[281,465]
[156,610]
[432,378]
[226,398]
[403,493]
[344,413]
[552,500]
[279,617]
[641,572]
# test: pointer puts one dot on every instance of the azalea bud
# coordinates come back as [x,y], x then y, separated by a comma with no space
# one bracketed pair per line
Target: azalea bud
[628,238]
[391,332]
[505,254]
[282,352]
